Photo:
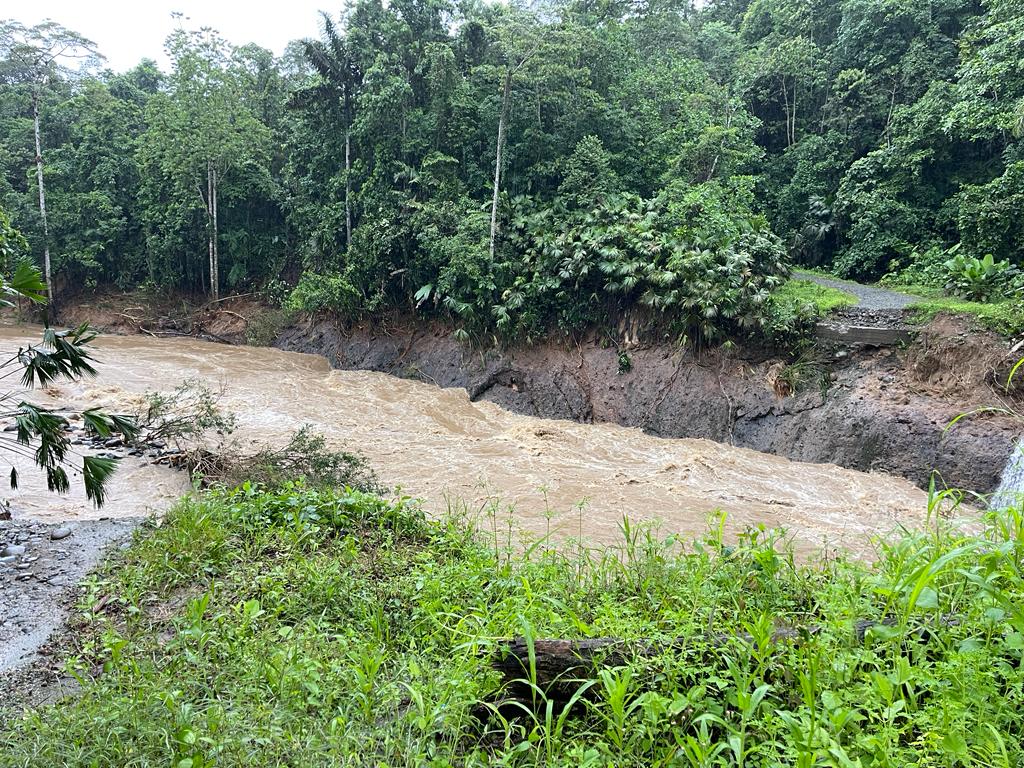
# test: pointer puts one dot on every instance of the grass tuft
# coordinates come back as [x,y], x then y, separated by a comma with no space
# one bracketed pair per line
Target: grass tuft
[822,298]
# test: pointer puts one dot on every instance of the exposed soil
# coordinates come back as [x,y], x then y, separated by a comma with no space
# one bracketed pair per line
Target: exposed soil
[233,320]
[866,409]
[879,409]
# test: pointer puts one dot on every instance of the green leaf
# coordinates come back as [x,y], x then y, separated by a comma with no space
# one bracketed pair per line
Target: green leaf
[96,471]
[955,744]
[27,282]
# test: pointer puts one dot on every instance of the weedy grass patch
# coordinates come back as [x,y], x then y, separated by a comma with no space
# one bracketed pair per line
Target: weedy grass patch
[306,627]
[821,298]
[1005,317]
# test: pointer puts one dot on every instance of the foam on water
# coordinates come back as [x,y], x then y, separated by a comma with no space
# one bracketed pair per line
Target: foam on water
[1011,487]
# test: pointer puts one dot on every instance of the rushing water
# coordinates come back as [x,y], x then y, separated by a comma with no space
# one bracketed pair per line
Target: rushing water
[1011,486]
[441,446]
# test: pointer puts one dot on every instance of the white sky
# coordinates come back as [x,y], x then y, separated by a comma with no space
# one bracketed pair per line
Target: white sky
[126,32]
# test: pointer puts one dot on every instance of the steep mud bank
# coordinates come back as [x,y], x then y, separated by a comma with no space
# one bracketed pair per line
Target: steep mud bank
[881,410]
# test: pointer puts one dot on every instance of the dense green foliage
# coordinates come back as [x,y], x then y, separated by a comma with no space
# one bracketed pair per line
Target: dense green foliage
[298,627]
[655,156]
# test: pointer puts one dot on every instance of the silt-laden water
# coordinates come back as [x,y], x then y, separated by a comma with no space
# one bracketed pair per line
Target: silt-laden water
[544,474]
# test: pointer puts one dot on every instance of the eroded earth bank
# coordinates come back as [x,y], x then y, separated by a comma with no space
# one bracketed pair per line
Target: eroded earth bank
[885,410]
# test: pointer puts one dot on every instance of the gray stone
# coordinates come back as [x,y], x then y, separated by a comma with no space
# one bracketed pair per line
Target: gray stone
[61,533]
[869,335]
[12,550]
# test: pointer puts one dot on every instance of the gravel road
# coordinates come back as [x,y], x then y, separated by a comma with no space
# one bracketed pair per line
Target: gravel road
[868,296]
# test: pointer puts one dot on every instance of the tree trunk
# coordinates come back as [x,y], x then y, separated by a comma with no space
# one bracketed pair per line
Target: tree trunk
[42,208]
[209,220]
[348,190]
[216,252]
[888,117]
[796,82]
[785,98]
[558,665]
[721,147]
[505,95]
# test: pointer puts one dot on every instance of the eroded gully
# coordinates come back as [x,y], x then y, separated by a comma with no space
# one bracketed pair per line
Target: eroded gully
[541,475]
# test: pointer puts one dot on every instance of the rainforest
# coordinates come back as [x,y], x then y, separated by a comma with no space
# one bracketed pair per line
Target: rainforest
[558,383]
[522,169]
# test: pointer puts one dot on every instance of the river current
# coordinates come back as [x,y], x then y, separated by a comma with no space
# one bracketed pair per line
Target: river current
[543,475]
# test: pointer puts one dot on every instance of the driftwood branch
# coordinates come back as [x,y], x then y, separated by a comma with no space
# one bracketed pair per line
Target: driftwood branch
[226,298]
[559,665]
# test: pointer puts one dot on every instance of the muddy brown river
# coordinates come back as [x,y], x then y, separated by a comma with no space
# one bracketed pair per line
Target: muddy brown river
[439,446]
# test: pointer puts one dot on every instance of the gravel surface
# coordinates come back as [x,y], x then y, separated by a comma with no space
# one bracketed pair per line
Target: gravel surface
[869,297]
[41,566]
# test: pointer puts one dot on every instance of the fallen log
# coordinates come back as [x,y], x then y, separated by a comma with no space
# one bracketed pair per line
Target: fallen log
[558,666]
[208,336]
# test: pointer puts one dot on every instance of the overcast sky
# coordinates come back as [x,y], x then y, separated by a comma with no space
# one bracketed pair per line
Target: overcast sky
[126,32]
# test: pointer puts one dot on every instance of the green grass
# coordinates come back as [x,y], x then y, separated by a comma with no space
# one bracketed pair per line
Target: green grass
[1004,317]
[823,299]
[306,628]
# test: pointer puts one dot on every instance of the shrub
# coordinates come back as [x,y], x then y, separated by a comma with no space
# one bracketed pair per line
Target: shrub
[184,414]
[927,268]
[306,456]
[977,279]
[572,269]
[325,293]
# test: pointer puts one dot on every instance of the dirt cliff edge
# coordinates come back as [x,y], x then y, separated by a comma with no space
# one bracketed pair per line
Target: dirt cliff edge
[880,409]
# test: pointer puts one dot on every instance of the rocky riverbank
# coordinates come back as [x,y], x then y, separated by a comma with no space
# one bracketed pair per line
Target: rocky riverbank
[41,567]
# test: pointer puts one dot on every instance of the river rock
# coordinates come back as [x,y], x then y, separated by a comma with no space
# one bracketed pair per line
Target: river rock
[12,550]
[8,559]
[61,533]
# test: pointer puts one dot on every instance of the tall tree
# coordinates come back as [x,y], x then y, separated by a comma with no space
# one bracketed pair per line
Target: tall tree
[339,82]
[41,433]
[37,55]
[201,136]
[519,40]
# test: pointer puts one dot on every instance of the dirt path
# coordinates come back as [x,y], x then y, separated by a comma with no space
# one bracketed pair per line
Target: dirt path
[41,566]
[869,297]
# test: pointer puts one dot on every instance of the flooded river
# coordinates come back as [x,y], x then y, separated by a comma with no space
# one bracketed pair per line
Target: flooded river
[441,447]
